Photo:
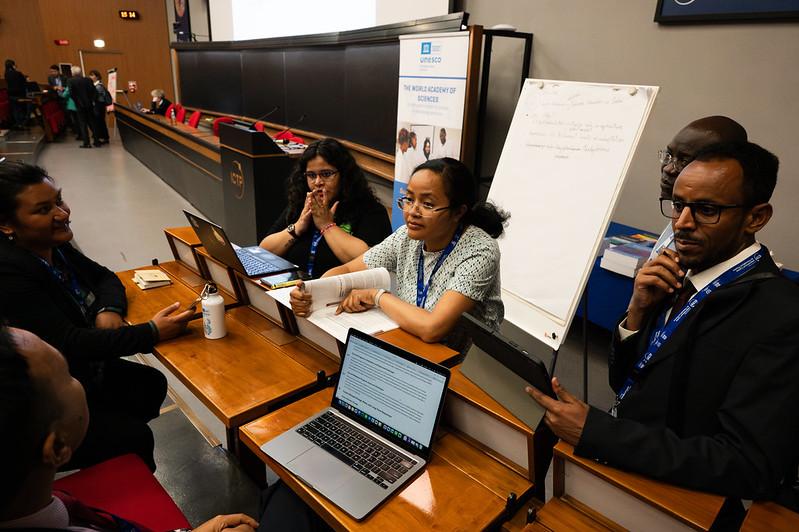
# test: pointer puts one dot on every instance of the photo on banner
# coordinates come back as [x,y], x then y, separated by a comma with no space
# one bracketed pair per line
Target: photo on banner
[430,106]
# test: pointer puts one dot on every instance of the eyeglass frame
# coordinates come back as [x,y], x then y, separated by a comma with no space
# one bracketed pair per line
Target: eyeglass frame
[422,210]
[308,173]
[691,205]
[665,157]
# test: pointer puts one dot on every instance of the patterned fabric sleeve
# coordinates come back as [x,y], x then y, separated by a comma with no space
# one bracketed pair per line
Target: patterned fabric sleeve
[386,253]
[476,272]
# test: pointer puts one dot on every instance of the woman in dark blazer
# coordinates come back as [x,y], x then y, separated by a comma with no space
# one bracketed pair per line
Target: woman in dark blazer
[53,290]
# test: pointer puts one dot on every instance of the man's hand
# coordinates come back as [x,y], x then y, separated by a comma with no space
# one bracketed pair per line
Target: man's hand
[109,320]
[239,522]
[565,416]
[359,300]
[657,280]
[300,301]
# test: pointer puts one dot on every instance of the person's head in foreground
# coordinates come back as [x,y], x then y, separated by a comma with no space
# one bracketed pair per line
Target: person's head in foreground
[43,420]
[33,215]
[692,139]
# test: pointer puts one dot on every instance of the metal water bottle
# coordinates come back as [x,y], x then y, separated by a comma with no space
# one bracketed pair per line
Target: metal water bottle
[213,313]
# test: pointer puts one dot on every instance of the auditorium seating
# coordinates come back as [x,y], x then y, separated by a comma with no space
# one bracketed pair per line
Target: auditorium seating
[221,120]
[181,114]
[259,126]
[194,119]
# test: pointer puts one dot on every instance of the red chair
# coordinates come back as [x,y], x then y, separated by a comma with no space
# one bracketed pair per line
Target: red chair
[221,120]
[5,106]
[169,110]
[181,114]
[194,119]
[259,126]
[125,487]
[54,116]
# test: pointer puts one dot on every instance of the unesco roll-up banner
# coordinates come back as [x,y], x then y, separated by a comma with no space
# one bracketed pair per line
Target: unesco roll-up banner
[432,96]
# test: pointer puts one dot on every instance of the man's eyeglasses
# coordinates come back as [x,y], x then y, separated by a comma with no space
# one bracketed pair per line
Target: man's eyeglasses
[703,213]
[423,208]
[324,175]
[665,157]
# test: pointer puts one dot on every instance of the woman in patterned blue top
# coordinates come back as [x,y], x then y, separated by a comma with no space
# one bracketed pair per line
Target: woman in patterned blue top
[445,257]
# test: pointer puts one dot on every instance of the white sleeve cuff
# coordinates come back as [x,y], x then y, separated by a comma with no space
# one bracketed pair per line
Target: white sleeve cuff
[625,333]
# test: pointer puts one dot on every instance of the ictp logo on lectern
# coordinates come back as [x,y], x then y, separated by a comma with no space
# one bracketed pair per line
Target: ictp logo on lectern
[237,179]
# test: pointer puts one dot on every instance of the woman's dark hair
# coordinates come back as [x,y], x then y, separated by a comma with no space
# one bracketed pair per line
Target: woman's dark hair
[14,177]
[10,64]
[96,74]
[354,192]
[460,187]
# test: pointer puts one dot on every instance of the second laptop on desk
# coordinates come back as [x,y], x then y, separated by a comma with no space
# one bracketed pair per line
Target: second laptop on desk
[252,261]
[378,431]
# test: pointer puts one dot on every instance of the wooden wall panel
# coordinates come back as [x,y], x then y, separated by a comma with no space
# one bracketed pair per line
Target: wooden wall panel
[143,45]
[22,37]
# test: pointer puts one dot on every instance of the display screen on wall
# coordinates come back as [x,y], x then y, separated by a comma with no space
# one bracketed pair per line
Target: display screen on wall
[675,11]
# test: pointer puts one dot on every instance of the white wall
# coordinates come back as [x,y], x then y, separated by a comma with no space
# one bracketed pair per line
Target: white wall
[749,72]
[221,19]
[391,11]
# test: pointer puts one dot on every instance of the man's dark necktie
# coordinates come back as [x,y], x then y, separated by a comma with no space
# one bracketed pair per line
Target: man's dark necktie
[683,295]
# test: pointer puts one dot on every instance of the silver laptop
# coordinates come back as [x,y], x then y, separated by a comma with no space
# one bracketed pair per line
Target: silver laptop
[252,261]
[377,433]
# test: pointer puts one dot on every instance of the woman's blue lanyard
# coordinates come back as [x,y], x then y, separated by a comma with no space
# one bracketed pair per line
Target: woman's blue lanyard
[421,287]
[666,331]
[68,279]
[317,237]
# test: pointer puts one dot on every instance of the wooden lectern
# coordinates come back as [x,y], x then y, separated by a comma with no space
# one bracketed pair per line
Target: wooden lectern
[254,174]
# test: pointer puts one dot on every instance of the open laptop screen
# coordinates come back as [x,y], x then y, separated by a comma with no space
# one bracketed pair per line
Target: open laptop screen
[396,394]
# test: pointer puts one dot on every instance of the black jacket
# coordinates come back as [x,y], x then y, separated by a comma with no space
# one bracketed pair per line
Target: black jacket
[33,299]
[82,91]
[716,408]
[16,83]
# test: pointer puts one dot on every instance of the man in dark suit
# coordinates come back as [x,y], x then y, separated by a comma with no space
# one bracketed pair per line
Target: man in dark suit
[707,390]
[83,93]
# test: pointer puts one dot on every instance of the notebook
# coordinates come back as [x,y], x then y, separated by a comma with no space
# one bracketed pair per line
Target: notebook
[378,431]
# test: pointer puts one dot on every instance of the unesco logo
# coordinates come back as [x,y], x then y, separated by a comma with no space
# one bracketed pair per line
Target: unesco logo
[237,179]
[427,48]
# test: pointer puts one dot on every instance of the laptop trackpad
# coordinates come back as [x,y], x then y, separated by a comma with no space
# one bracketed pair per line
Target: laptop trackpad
[321,469]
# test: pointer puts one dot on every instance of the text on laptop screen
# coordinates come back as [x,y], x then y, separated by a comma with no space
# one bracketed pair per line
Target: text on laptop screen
[390,393]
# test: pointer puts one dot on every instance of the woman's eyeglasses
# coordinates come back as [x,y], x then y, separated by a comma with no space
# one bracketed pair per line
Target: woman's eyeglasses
[324,175]
[424,208]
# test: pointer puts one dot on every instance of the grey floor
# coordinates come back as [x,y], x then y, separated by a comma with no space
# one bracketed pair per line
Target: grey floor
[119,210]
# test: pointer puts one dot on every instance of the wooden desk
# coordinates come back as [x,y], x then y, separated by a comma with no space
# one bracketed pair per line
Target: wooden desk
[239,377]
[768,516]
[631,500]
[461,488]
[143,304]
[183,241]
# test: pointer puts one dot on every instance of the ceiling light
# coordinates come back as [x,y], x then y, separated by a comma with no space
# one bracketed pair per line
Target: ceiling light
[99,43]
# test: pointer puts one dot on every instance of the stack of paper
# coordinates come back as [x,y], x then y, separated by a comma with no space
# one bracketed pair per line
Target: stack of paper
[146,279]
[327,293]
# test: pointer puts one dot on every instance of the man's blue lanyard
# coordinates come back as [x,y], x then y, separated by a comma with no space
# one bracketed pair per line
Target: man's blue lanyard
[421,287]
[317,237]
[666,331]
[68,279]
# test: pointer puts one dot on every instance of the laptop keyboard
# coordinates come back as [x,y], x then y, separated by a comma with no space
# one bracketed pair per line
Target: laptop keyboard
[253,266]
[377,462]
